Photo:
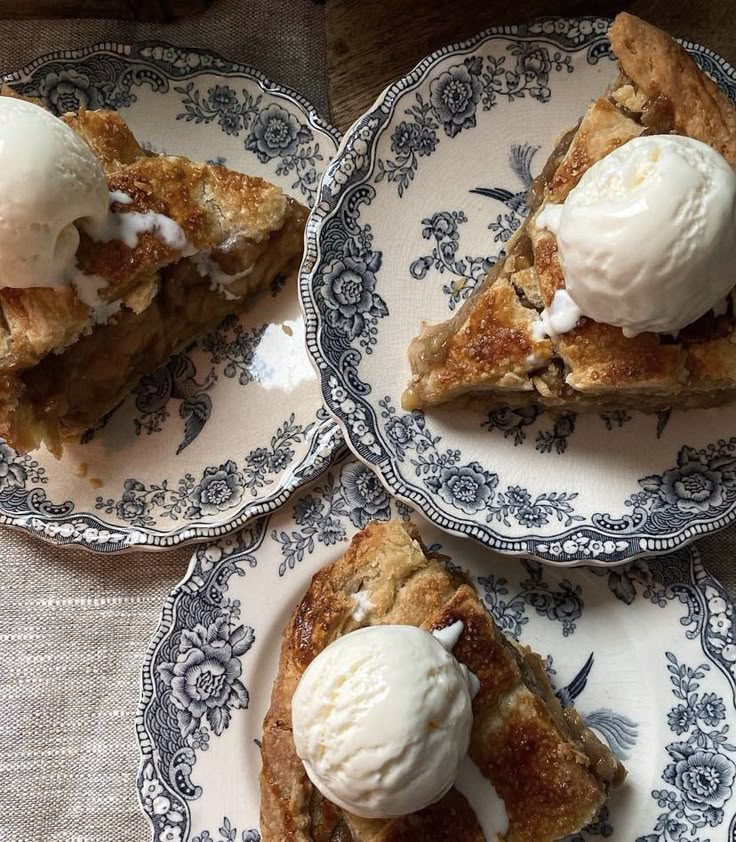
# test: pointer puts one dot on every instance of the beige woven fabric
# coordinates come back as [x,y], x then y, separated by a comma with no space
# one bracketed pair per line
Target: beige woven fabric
[73,626]
[73,630]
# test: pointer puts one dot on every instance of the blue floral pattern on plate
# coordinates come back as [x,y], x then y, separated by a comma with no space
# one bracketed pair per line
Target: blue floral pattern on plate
[667,713]
[454,97]
[387,250]
[271,132]
[702,770]
[168,465]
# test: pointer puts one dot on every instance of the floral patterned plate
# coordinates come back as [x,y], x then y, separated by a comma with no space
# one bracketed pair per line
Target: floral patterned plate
[229,428]
[647,653]
[424,192]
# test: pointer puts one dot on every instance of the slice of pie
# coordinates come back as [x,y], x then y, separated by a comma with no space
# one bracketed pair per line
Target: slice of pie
[64,364]
[551,771]
[489,354]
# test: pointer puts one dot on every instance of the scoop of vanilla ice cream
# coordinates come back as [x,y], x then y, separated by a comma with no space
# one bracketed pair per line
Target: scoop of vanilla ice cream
[382,719]
[647,238]
[49,178]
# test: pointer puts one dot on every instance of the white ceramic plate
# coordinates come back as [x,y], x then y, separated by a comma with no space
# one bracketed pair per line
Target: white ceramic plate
[424,192]
[646,651]
[229,428]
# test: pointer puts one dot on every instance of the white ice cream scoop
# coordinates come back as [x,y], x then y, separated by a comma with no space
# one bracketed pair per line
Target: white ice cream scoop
[647,238]
[49,179]
[382,719]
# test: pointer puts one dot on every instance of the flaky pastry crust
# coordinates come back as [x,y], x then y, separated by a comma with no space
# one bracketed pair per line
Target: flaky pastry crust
[551,771]
[61,371]
[487,354]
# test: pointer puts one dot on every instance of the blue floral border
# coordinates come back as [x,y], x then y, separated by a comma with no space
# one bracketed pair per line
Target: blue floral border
[702,724]
[177,63]
[197,612]
[606,539]
[59,524]
[156,64]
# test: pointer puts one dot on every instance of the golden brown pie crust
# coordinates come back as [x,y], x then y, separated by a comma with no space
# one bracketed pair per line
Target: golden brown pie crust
[59,371]
[551,771]
[593,366]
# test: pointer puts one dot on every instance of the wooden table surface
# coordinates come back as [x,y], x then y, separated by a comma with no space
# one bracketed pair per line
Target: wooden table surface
[370,43]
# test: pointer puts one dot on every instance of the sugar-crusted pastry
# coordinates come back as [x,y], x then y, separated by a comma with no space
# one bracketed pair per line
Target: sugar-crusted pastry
[184,244]
[551,771]
[492,352]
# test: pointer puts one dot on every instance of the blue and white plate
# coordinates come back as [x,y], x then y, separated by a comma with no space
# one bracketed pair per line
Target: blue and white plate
[647,652]
[424,192]
[229,428]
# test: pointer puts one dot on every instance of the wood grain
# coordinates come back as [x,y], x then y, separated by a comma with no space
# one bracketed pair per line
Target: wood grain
[370,43]
[157,11]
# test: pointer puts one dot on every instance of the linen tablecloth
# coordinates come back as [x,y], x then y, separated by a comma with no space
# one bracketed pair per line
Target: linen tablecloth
[74,626]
